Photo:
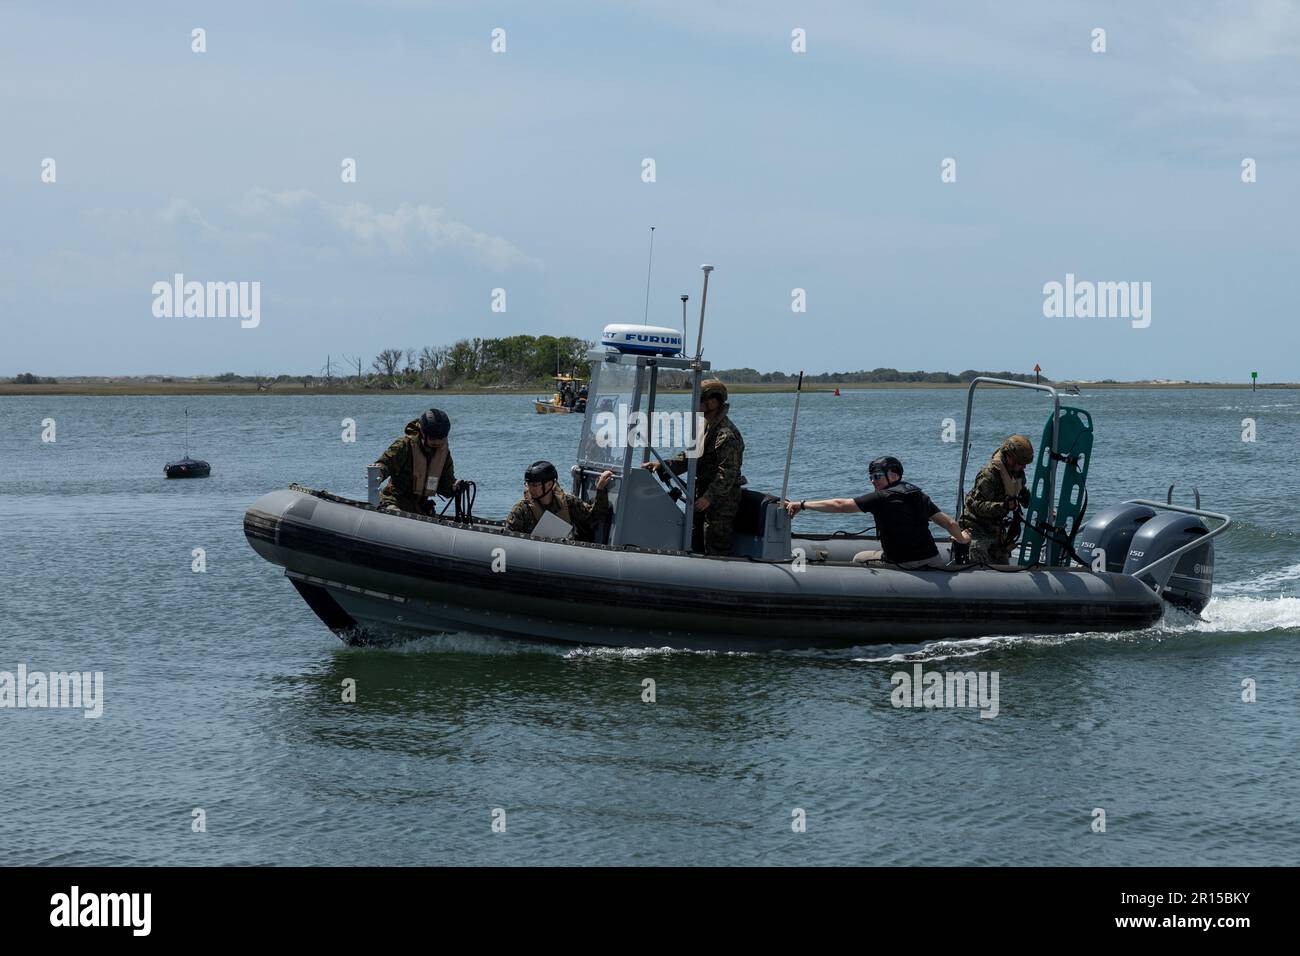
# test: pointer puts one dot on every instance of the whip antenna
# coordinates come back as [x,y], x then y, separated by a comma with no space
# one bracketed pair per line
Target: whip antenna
[789,452]
[649,264]
[684,298]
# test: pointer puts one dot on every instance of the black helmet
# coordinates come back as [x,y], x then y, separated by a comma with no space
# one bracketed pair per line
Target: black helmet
[435,423]
[541,471]
[885,464]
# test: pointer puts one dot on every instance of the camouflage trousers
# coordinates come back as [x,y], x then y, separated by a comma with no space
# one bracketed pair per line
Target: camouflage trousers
[390,500]
[988,549]
[714,531]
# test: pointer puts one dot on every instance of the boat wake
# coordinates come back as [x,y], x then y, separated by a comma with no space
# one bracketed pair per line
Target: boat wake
[633,653]
[1241,608]
[494,645]
[1234,614]
[1269,582]
[1238,615]
[459,642]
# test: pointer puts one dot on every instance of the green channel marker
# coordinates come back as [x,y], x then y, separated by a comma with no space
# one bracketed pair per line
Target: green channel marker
[1075,443]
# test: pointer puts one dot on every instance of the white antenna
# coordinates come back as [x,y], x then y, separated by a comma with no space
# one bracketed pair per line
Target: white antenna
[684,298]
[704,298]
[187,433]
[646,320]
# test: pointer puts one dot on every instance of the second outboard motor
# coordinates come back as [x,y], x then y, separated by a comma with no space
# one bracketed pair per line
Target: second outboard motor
[1186,582]
[1112,530]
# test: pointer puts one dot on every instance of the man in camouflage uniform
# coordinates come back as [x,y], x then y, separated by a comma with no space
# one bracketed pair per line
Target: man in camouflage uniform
[418,465]
[717,474]
[542,494]
[990,510]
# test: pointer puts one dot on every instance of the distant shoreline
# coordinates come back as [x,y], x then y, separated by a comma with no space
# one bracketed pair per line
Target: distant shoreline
[248,388]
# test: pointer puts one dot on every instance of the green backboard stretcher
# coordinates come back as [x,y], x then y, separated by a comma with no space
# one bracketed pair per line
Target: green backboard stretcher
[1075,442]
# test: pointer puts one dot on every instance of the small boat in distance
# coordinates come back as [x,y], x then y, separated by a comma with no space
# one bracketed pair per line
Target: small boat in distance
[187,467]
[570,396]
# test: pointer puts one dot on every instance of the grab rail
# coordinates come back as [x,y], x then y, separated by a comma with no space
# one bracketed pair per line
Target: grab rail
[966,438]
[665,470]
[1191,545]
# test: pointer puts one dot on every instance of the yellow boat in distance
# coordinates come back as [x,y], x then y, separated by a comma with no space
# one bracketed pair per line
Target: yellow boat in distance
[570,396]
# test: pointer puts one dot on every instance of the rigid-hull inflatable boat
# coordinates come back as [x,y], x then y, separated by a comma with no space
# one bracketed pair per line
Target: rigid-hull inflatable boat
[372,574]
[368,573]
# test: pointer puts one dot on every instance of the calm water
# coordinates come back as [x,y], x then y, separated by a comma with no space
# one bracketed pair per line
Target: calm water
[222,689]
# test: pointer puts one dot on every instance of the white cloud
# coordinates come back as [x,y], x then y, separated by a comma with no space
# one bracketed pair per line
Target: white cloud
[411,227]
[409,230]
[1244,32]
[183,213]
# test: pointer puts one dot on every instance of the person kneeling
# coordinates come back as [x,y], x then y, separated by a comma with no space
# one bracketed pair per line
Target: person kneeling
[418,466]
[542,495]
[902,512]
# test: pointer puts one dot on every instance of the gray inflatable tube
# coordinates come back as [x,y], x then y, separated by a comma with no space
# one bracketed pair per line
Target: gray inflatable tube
[368,573]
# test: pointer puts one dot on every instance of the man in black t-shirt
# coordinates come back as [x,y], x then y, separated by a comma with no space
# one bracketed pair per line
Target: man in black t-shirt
[902,512]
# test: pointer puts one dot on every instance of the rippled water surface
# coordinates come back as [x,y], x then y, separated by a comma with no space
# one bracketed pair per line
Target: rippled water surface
[223,690]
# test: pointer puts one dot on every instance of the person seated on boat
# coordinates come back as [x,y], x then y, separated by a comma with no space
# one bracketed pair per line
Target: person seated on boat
[902,512]
[542,493]
[991,510]
[717,475]
[418,466]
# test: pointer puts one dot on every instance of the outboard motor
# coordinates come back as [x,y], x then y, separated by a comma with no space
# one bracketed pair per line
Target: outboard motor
[1134,536]
[1111,531]
[1186,582]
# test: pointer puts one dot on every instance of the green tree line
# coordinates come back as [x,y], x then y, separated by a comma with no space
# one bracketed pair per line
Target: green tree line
[512,362]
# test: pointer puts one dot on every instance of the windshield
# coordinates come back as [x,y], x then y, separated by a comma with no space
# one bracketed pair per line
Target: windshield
[610,390]
[611,423]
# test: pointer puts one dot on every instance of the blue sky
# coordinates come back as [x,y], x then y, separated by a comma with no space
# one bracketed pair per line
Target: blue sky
[522,171]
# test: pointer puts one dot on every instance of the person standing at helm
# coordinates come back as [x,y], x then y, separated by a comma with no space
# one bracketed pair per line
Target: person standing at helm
[991,511]
[542,494]
[418,465]
[717,475]
[903,513]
